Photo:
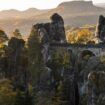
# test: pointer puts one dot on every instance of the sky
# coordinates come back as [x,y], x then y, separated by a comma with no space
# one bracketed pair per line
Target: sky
[40,4]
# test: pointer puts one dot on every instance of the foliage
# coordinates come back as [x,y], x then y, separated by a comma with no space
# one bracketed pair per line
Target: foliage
[3,36]
[71,37]
[10,97]
[59,98]
[34,56]
[80,36]
[7,95]
[61,57]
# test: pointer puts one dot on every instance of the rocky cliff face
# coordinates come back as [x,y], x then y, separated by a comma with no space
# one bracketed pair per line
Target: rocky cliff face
[80,78]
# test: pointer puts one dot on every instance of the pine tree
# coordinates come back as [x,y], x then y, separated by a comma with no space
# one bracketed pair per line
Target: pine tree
[34,57]
[3,37]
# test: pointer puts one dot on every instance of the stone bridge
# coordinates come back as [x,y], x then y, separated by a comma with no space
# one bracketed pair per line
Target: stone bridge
[82,49]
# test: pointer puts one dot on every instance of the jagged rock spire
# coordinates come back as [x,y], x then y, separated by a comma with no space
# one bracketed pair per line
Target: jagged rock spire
[100,29]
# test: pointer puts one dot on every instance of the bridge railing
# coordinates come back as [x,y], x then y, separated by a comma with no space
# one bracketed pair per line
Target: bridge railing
[77,45]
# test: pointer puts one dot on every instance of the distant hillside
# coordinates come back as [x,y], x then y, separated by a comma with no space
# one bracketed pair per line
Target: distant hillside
[78,12]
[102,5]
[12,13]
[75,13]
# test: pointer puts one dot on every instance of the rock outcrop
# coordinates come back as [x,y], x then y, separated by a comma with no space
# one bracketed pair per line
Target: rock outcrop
[96,88]
[49,33]
[100,30]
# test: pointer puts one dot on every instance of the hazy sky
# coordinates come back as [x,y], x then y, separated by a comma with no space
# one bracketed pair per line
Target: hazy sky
[40,4]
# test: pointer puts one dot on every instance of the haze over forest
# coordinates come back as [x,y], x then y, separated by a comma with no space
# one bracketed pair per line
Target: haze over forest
[75,13]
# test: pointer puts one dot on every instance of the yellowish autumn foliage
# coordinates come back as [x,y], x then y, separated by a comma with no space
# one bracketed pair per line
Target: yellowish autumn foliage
[83,35]
[80,36]
[1,46]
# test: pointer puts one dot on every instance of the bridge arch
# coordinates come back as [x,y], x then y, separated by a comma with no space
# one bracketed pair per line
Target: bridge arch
[70,51]
[86,54]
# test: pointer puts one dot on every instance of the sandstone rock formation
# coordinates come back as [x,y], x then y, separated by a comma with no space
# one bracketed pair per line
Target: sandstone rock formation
[96,88]
[49,33]
[100,29]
